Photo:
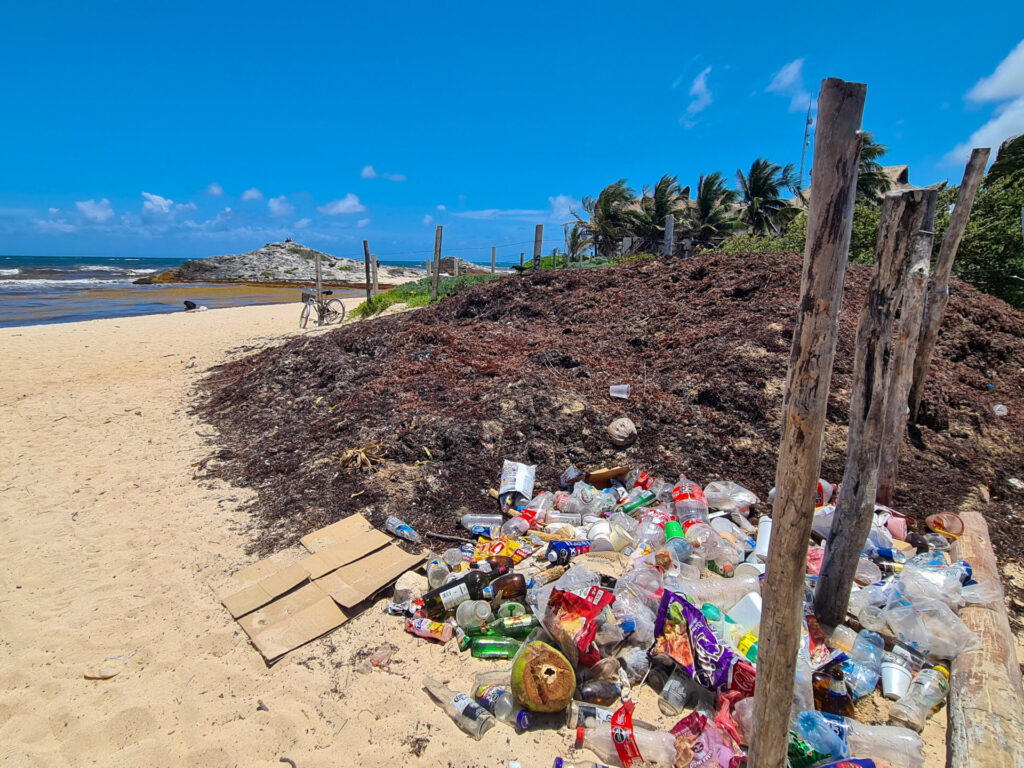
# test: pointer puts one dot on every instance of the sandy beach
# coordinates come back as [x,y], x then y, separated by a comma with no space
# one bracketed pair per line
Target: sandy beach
[113,548]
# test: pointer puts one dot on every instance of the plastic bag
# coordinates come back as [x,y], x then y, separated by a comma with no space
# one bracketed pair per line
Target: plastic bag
[727,495]
[572,621]
[700,744]
[931,628]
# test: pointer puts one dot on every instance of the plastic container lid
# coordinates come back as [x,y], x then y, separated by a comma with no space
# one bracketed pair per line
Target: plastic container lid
[673,530]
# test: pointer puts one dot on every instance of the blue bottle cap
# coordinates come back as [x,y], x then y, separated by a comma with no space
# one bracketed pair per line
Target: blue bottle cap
[523,721]
[559,762]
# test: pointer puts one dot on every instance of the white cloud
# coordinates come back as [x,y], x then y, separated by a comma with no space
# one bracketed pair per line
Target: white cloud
[498,213]
[562,207]
[427,220]
[215,189]
[303,223]
[1005,84]
[279,206]
[789,81]
[441,208]
[348,204]
[368,172]
[559,210]
[363,223]
[252,194]
[700,92]
[98,212]
[156,204]
[185,207]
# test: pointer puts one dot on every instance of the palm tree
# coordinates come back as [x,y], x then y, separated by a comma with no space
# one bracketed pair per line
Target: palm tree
[765,211]
[711,219]
[872,180]
[657,204]
[611,216]
[577,241]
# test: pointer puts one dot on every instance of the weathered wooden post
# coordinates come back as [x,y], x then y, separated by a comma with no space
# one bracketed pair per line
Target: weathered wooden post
[319,281]
[538,240]
[938,290]
[903,213]
[829,221]
[521,257]
[670,224]
[494,256]
[427,262]
[366,261]
[437,263]
[905,349]
[373,266]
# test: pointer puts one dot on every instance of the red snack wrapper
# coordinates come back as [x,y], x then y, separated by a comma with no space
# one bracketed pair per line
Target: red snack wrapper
[623,737]
[742,678]
[572,621]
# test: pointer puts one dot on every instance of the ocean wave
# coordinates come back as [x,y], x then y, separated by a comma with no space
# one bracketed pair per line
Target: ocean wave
[9,272]
[43,283]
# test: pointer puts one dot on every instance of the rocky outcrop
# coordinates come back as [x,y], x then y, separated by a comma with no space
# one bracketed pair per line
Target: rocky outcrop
[286,262]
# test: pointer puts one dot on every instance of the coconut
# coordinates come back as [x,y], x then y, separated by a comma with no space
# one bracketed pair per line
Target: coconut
[542,678]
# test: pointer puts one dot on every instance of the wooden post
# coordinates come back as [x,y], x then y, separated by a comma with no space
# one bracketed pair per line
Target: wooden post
[986,702]
[319,280]
[521,256]
[911,315]
[903,213]
[437,263]
[829,221]
[670,224]
[373,271]
[494,256]
[366,260]
[428,267]
[538,240]
[938,291]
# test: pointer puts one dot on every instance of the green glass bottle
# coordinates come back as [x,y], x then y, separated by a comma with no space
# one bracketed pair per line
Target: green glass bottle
[494,647]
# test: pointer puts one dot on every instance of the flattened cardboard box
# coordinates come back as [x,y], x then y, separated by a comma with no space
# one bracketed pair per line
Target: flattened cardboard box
[350,561]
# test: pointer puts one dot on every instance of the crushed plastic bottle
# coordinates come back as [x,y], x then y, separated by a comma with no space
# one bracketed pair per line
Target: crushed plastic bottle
[402,530]
[843,737]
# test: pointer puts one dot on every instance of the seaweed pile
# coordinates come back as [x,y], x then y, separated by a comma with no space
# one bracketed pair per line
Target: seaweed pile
[520,367]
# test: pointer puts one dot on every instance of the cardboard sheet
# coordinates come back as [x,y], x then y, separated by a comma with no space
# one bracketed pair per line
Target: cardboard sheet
[336,533]
[599,477]
[292,620]
[266,589]
[355,582]
[344,552]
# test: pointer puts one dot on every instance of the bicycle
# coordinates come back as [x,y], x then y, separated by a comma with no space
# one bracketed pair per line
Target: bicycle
[327,311]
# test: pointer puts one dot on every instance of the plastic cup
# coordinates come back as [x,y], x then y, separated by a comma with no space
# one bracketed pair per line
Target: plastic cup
[764,537]
[897,527]
[747,612]
[945,523]
[896,676]
[619,390]
[749,569]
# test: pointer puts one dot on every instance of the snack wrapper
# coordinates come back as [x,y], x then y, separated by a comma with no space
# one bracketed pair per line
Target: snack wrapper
[517,549]
[700,744]
[682,633]
[572,621]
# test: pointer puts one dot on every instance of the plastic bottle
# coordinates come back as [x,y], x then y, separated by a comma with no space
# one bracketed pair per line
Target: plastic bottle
[688,502]
[437,573]
[515,527]
[928,689]
[500,703]
[469,716]
[724,593]
[482,525]
[431,630]
[657,747]
[472,613]
[864,666]
[452,557]
[721,557]
[396,527]
[844,737]
[638,499]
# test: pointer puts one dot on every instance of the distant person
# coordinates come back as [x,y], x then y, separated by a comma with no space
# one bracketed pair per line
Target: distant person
[190,306]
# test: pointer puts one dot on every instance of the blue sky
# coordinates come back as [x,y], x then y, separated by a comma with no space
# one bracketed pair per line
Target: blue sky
[190,129]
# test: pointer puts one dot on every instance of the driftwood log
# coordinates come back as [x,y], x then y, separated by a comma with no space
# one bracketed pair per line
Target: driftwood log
[829,222]
[986,702]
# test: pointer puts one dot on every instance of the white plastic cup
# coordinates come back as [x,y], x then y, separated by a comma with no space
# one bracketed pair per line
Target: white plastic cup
[896,676]
[619,390]
[749,569]
[747,612]
[600,535]
[764,537]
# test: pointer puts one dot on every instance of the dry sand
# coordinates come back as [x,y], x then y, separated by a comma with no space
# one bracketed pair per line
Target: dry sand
[112,551]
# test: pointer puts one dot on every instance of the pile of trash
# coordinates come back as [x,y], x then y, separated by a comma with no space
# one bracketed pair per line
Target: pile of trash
[619,580]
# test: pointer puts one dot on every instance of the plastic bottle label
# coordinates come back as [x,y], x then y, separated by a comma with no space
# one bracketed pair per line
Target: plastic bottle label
[488,695]
[837,723]
[623,737]
[465,707]
[687,492]
[451,598]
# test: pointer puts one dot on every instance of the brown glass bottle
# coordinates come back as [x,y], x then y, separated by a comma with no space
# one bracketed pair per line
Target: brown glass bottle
[830,694]
[508,587]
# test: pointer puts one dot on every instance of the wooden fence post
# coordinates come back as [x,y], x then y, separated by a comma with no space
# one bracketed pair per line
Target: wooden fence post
[538,240]
[829,222]
[373,267]
[911,315]
[319,280]
[670,224]
[437,263]
[494,256]
[938,291]
[902,215]
[366,261]
[521,257]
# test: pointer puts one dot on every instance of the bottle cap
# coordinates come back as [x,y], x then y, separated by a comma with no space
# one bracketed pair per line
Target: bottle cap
[673,530]
[523,721]
[559,762]
[941,669]
[487,592]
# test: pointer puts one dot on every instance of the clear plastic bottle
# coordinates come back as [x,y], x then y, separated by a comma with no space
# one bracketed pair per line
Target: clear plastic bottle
[560,763]
[472,613]
[688,500]
[844,737]
[502,704]
[437,573]
[865,664]
[657,747]
[515,527]
[676,542]
[468,715]
[481,525]
[396,527]
[724,593]
[928,688]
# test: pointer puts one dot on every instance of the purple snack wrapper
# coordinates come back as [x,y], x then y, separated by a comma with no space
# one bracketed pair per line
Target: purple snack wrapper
[682,633]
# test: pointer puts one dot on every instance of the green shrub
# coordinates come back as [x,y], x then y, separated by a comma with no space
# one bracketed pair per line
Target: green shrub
[417,294]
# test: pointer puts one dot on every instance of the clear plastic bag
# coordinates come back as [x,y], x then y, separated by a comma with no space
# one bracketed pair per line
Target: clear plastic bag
[931,628]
